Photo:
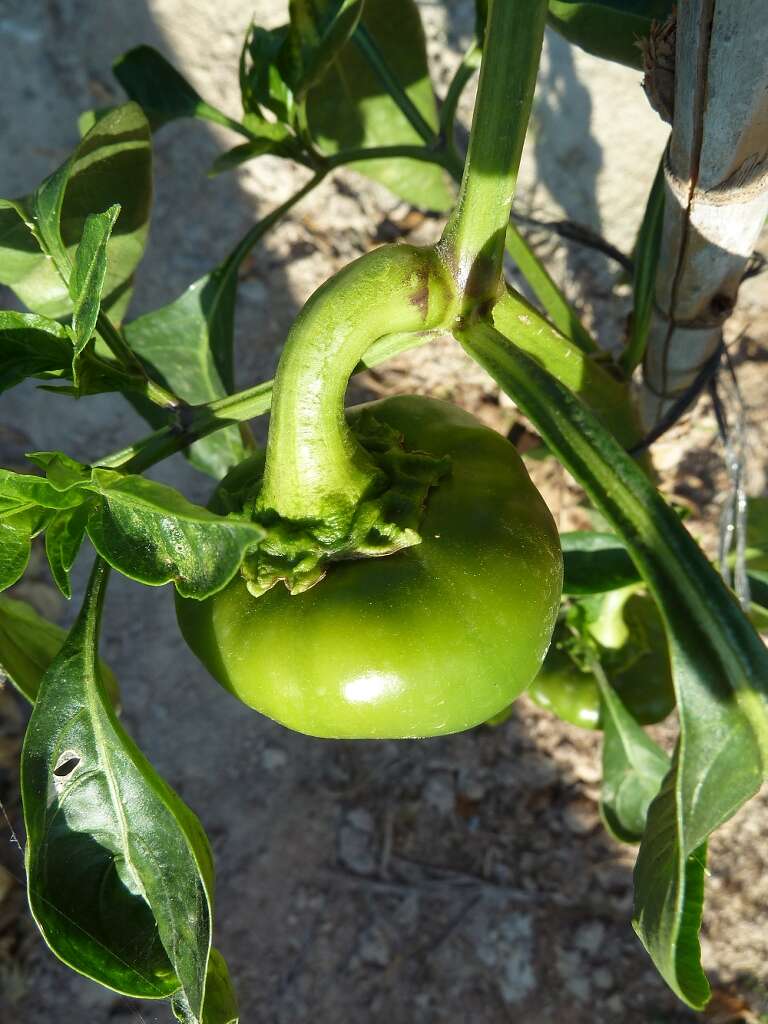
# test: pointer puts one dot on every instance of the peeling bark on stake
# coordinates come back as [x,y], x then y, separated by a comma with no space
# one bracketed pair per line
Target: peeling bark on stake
[716,194]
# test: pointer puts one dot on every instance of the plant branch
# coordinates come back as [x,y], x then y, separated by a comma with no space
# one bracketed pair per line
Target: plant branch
[205,112]
[559,310]
[447,155]
[475,234]
[464,73]
[202,420]
[129,361]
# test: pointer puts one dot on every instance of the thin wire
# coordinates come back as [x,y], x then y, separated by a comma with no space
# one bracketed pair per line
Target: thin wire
[14,838]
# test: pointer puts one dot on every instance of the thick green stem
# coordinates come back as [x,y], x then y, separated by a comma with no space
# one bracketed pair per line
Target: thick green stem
[554,302]
[559,310]
[245,405]
[475,234]
[316,470]
[564,359]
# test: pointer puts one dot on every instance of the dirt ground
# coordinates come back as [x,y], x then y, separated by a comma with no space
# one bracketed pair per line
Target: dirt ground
[464,879]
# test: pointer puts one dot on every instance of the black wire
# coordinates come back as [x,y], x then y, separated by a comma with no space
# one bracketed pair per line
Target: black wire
[681,404]
[579,233]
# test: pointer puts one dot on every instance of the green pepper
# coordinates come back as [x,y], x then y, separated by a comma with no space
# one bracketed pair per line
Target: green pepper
[432,639]
[627,636]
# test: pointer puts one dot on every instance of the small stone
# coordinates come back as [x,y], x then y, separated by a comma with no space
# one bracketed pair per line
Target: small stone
[615,1005]
[603,978]
[613,877]
[273,759]
[472,788]
[374,947]
[356,842]
[580,817]
[588,771]
[362,819]
[439,792]
[590,937]
[570,967]
[508,951]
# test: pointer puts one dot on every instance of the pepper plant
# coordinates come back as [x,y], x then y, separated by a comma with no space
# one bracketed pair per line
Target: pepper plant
[383,571]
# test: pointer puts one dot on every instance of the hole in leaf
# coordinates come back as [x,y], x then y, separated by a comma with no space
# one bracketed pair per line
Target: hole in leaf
[66,764]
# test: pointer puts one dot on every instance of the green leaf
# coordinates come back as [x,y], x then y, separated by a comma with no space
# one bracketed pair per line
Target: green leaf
[262,82]
[20,490]
[669,896]
[111,165]
[63,539]
[15,546]
[31,346]
[152,534]
[267,137]
[28,645]
[88,274]
[634,767]
[242,154]
[595,563]
[719,663]
[119,871]
[220,999]
[608,28]
[157,86]
[646,258]
[61,471]
[187,345]
[350,107]
[318,31]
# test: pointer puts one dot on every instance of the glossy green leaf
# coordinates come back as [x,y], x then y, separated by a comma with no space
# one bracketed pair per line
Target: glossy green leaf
[28,645]
[318,31]
[119,870]
[595,563]
[634,768]
[187,345]
[646,258]
[720,665]
[21,490]
[89,272]
[152,534]
[262,81]
[350,107]
[608,28]
[669,894]
[31,346]
[15,547]
[61,471]
[20,253]
[111,165]
[220,1000]
[63,539]
[152,82]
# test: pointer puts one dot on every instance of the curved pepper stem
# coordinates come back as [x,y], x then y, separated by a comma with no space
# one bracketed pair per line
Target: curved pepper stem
[323,493]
